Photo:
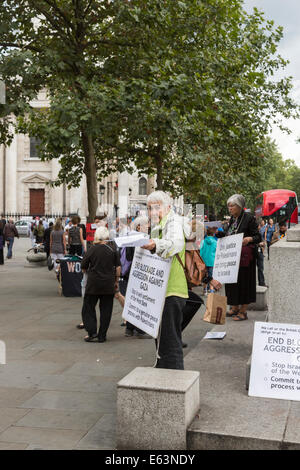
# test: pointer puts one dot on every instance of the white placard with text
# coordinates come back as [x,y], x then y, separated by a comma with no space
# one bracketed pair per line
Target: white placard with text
[146,291]
[275,364]
[227,259]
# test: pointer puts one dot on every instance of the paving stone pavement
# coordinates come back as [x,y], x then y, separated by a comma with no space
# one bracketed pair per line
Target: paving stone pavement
[56,391]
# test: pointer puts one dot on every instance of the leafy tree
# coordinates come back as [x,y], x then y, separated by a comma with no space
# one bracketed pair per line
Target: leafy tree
[182,89]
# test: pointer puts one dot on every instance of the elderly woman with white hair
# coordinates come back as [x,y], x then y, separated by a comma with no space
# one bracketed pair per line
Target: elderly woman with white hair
[167,240]
[241,294]
[102,263]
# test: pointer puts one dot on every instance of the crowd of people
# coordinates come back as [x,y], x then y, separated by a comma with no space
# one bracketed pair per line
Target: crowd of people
[107,267]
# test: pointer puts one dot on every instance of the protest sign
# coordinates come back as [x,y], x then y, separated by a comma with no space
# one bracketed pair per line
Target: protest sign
[146,290]
[275,364]
[90,232]
[227,259]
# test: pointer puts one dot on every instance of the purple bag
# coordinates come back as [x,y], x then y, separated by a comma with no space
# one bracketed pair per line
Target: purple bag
[246,256]
[125,264]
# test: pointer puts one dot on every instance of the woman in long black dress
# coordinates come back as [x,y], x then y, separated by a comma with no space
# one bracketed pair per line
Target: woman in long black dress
[241,294]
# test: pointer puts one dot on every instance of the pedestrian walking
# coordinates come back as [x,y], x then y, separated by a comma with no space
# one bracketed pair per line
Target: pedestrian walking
[260,255]
[10,232]
[102,264]
[47,235]
[1,242]
[31,230]
[208,252]
[269,232]
[3,220]
[75,237]
[242,293]
[39,232]
[58,246]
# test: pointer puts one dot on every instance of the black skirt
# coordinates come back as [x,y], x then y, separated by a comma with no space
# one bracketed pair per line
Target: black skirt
[244,291]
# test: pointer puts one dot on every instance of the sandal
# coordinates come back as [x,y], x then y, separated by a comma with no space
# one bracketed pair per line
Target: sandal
[232,313]
[241,316]
[92,339]
[80,326]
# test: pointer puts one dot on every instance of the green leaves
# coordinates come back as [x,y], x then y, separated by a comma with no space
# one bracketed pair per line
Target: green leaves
[182,89]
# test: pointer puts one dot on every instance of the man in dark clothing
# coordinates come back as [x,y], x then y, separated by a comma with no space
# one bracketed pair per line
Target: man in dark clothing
[3,221]
[10,232]
[260,259]
[47,239]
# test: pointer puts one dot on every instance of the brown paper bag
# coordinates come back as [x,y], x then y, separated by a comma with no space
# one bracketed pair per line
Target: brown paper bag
[216,307]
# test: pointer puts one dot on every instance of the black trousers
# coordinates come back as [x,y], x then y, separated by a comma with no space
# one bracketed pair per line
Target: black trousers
[169,344]
[89,316]
[260,269]
[193,303]
[75,250]
[1,256]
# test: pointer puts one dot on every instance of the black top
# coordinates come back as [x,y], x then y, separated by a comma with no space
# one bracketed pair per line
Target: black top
[247,225]
[47,236]
[100,262]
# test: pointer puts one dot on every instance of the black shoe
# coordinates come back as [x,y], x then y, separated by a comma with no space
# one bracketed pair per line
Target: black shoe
[141,335]
[102,339]
[91,339]
[123,324]
[184,345]
[128,332]
[80,326]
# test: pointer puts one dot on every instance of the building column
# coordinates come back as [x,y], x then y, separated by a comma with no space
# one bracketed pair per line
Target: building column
[11,176]
[123,188]
[56,193]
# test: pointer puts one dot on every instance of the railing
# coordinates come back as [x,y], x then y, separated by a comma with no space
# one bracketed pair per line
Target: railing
[21,215]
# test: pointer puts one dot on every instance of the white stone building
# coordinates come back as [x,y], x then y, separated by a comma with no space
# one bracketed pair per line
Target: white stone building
[25,184]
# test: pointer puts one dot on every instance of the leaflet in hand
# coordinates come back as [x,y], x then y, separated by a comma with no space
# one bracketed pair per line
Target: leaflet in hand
[138,239]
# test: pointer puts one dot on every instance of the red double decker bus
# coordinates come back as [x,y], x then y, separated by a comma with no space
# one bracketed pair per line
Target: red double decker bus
[279,204]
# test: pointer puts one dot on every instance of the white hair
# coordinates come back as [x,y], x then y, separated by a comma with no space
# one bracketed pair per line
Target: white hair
[141,220]
[101,234]
[159,196]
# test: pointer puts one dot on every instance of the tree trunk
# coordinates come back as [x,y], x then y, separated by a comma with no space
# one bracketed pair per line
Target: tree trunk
[159,176]
[91,175]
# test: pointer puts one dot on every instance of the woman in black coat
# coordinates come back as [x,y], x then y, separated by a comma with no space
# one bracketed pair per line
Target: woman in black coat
[241,294]
[102,264]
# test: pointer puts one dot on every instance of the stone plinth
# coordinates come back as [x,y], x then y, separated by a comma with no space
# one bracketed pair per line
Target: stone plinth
[293,234]
[284,279]
[155,408]
[261,299]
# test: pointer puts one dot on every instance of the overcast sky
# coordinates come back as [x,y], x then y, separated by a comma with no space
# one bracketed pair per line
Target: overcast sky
[286,13]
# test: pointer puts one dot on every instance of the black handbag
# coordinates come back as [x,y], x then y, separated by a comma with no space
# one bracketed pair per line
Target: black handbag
[50,263]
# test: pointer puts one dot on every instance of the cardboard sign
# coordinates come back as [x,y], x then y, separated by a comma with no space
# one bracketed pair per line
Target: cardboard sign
[227,259]
[90,232]
[146,291]
[275,365]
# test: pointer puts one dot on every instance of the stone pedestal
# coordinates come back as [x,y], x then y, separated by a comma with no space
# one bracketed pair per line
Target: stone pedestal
[284,279]
[155,408]
[261,299]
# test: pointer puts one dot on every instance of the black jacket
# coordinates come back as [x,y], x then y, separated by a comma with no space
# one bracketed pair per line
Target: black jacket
[248,226]
[101,261]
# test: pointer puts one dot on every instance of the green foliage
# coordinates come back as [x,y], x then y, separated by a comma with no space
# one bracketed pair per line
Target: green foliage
[183,90]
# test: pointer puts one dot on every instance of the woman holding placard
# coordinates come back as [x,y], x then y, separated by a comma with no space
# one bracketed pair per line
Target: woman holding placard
[241,294]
